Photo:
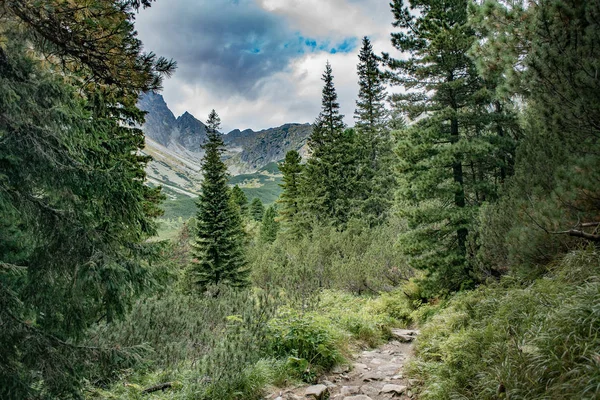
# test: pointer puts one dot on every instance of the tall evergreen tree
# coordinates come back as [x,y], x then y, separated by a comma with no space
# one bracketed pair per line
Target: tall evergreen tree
[218,247]
[449,160]
[257,209]
[548,51]
[239,198]
[76,214]
[373,192]
[269,226]
[328,173]
[290,195]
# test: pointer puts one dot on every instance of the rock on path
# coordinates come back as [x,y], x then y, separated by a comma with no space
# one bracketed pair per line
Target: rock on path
[375,375]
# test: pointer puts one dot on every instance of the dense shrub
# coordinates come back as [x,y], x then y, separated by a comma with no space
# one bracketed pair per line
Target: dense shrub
[310,345]
[510,340]
[358,260]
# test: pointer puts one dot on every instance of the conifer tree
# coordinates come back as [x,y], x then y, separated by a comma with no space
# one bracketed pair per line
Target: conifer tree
[548,52]
[328,175]
[239,198]
[257,209]
[290,195]
[449,160]
[269,226]
[218,247]
[76,214]
[373,192]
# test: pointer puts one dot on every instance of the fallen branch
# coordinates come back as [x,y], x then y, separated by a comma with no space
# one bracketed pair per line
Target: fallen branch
[581,234]
[156,388]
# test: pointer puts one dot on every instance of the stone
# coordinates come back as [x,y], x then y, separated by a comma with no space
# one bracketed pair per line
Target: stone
[349,390]
[360,366]
[388,369]
[319,392]
[329,384]
[404,335]
[359,397]
[369,390]
[397,389]
[340,369]
[396,377]
[372,376]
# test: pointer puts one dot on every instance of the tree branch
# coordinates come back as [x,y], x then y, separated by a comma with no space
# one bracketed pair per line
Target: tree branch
[581,234]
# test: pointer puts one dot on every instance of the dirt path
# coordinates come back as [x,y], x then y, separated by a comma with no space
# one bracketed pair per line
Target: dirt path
[374,375]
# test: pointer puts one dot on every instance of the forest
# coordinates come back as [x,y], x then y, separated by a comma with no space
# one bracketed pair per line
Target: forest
[464,203]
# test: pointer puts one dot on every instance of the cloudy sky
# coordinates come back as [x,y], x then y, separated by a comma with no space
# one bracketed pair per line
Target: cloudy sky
[259,62]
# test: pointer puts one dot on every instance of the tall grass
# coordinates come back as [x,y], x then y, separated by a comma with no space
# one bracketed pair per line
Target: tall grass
[540,341]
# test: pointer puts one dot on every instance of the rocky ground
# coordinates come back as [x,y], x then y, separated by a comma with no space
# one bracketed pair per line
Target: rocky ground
[374,375]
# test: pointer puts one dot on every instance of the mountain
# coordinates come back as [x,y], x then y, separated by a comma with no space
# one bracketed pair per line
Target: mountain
[251,156]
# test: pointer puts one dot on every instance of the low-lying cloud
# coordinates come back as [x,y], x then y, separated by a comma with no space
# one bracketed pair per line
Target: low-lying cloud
[259,62]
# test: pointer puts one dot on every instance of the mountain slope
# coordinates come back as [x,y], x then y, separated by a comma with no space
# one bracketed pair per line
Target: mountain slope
[175,144]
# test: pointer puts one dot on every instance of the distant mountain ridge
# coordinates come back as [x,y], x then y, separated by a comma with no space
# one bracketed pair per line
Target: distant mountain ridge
[175,143]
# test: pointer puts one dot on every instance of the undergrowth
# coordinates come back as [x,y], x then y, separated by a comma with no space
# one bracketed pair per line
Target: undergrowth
[512,340]
[237,345]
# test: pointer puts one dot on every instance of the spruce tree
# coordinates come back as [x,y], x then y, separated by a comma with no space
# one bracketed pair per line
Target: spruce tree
[269,226]
[328,176]
[450,160]
[257,209]
[76,213]
[218,246]
[290,196]
[239,198]
[373,192]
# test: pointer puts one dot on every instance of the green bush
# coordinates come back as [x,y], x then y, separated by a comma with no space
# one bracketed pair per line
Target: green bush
[513,341]
[213,346]
[358,260]
[309,344]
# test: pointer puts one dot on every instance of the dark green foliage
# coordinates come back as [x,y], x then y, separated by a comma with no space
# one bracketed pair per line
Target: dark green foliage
[219,242]
[76,215]
[451,160]
[269,226]
[239,198]
[208,345]
[290,197]
[257,209]
[373,192]
[553,199]
[359,260]
[328,174]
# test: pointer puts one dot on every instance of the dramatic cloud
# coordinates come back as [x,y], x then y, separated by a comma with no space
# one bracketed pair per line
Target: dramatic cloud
[259,62]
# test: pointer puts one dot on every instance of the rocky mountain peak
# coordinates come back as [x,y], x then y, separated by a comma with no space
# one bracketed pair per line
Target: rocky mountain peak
[159,118]
[247,151]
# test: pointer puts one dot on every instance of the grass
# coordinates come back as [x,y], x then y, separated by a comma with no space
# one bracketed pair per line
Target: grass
[513,341]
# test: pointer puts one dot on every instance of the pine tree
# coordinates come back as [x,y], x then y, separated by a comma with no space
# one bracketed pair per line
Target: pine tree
[290,196]
[450,161]
[547,52]
[239,198]
[373,192]
[269,226]
[328,174]
[218,247]
[257,209]
[76,212]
